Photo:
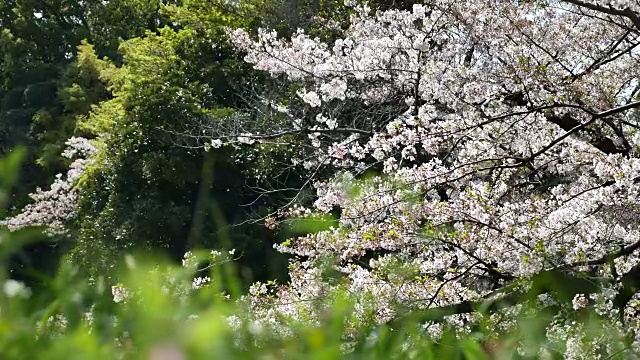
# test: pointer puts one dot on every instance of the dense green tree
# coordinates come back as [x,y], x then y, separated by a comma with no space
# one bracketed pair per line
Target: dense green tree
[49,79]
[42,78]
[150,187]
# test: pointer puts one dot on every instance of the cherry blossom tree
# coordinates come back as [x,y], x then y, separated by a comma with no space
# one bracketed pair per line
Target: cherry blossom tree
[503,138]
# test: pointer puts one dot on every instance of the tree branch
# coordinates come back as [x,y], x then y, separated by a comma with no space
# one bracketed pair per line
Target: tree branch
[627,13]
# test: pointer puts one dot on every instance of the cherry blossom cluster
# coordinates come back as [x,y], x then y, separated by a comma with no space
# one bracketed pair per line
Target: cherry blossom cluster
[54,207]
[515,151]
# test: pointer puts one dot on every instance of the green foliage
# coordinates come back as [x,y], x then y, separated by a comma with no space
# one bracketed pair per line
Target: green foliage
[150,186]
[9,168]
[164,316]
[48,76]
[81,87]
